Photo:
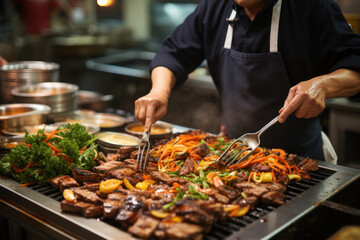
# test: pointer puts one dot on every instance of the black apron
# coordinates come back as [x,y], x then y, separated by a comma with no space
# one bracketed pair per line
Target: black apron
[254,87]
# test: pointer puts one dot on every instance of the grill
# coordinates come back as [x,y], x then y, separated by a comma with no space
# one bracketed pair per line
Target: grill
[224,229]
[303,199]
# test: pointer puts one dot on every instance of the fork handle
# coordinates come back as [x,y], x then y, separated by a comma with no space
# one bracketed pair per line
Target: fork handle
[269,124]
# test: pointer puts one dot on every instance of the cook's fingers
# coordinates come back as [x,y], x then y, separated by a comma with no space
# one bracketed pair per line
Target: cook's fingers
[149,120]
[290,107]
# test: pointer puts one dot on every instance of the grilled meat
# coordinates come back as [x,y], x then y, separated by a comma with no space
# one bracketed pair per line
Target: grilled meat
[67,182]
[133,202]
[93,211]
[228,191]
[108,166]
[308,165]
[131,163]
[87,196]
[162,177]
[121,173]
[252,201]
[77,207]
[111,208]
[171,231]
[273,198]
[260,167]
[126,218]
[188,167]
[126,150]
[144,227]
[82,175]
[243,176]
[91,186]
[56,181]
[277,187]
[202,150]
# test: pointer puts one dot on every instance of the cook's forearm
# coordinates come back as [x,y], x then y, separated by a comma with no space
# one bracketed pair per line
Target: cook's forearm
[341,83]
[163,80]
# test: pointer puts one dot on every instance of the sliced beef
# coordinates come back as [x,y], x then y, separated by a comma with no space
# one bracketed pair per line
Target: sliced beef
[202,150]
[245,184]
[111,208]
[67,182]
[164,195]
[131,163]
[126,150]
[162,177]
[133,203]
[159,186]
[56,181]
[152,204]
[215,209]
[93,211]
[255,191]
[200,218]
[242,175]
[228,191]
[126,218]
[82,175]
[273,198]
[77,207]
[292,159]
[87,196]
[113,157]
[182,155]
[252,201]
[221,198]
[188,167]
[121,173]
[150,168]
[144,227]
[108,166]
[91,186]
[119,196]
[283,179]
[308,165]
[180,231]
[277,187]
[260,167]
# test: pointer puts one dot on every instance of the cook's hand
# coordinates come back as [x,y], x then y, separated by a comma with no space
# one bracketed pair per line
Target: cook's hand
[3,61]
[223,131]
[150,108]
[306,99]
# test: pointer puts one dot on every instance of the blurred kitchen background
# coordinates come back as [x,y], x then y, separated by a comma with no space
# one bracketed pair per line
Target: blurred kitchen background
[106,46]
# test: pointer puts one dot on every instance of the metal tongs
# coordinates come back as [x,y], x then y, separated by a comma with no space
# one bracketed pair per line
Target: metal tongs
[143,151]
[249,142]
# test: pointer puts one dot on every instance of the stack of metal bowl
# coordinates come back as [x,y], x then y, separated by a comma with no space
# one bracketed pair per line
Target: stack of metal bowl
[61,97]
[16,74]
[14,118]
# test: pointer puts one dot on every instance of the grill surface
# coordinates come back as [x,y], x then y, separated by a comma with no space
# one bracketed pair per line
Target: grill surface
[223,229]
[263,222]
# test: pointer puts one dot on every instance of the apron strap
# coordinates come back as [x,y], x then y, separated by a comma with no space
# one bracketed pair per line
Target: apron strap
[274,32]
[230,30]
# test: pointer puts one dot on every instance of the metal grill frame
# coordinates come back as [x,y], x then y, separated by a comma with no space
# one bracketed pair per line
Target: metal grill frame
[278,218]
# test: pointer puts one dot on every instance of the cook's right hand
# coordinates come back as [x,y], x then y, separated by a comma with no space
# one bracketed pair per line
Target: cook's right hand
[150,108]
[3,62]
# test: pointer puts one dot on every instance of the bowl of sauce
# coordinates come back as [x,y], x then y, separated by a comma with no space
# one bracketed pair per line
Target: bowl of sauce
[115,140]
[158,130]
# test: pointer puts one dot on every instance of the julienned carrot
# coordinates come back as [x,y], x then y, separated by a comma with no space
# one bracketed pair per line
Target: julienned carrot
[55,132]
[83,149]
[53,147]
[27,184]
[96,154]
[16,169]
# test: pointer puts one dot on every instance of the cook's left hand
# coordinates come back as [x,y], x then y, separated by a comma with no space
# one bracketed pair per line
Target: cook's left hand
[306,99]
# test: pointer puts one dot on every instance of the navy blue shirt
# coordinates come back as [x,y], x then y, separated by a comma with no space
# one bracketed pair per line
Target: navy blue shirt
[314,38]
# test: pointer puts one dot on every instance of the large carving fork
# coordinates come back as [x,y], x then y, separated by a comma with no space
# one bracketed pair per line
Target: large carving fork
[248,143]
[143,151]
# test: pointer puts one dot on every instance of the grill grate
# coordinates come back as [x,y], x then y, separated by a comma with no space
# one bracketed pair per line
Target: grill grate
[225,228]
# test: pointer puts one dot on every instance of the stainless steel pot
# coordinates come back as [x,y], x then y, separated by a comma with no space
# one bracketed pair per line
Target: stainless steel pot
[15,117]
[61,97]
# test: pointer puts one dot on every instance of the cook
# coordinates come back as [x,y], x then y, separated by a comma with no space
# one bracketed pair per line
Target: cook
[265,57]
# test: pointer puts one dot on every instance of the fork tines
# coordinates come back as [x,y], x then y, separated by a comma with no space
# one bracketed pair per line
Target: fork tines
[229,156]
[143,151]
